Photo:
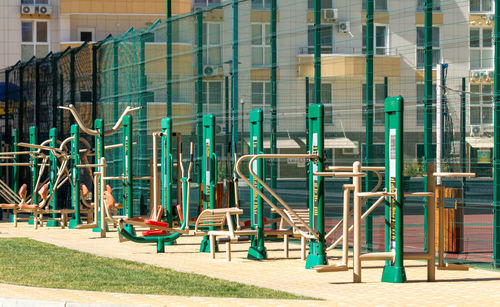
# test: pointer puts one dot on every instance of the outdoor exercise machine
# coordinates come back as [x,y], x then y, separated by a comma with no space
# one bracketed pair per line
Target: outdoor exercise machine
[314,228]
[393,196]
[161,232]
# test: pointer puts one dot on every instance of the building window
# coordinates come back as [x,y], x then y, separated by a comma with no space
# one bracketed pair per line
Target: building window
[481,48]
[212,96]
[380,5]
[436,5]
[436,47]
[481,105]
[202,3]
[478,6]
[326,100]
[326,39]
[378,106]
[28,2]
[421,105]
[86,34]
[261,44]
[261,4]
[261,94]
[325,4]
[212,41]
[34,39]
[380,39]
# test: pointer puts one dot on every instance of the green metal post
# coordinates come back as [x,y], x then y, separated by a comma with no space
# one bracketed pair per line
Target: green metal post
[33,133]
[169,58]
[75,176]
[53,176]
[463,106]
[199,92]
[116,102]
[37,94]
[166,170]
[72,80]
[15,169]
[257,249]
[274,100]
[427,98]
[370,6]
[394,272]
[496,154]
[95,48]
[234,86]
[142,152]
[317,253]
[20,116]
[308,102]
[55,80]
[317,51]
[6,108]
[128,183]
[209,169]
[99,153]
[60,116]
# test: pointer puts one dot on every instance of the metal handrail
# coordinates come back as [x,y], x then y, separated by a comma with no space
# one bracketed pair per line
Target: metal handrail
[265,186]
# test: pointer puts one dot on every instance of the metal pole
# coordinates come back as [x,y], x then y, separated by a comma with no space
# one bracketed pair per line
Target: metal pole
[308,102]
[226,108]
[274,100]
[394,272]
[99,154]
[463,111]
[166,169]
[257,249]
[6,108]
[75,176]
[20,116]
[317,51]
[143,145]
[169,57]
[439,117]
[317,254]
[199,91]
[94,84]
[37,95]
[370,7]
[496,148]
[55,59]
[427,99]
[72,81]
[234,87]
[53,176]
[128,170]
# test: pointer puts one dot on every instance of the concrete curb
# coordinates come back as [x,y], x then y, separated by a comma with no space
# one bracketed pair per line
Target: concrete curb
[15,302]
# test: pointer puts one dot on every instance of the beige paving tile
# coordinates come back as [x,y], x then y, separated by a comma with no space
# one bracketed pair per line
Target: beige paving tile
[475,287]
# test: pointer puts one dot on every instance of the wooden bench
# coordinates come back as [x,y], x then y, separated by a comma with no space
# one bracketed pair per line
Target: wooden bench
[219,219]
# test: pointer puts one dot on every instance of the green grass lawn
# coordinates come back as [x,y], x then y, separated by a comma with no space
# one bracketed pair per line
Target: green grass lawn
[31,263]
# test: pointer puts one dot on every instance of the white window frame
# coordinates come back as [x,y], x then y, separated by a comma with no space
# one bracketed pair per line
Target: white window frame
[422,8]
[363,6]
[266,48]
[34,42]
[378,105]
[434,65]
[34,2]
[378,50]
[205,3]
[262,5]
[207,104]
[91,30]
[266,95]
[481,9]
[329,120]
[208,45]
[485,102]
[420,104]
[322,6]
[481,48]
[324,49]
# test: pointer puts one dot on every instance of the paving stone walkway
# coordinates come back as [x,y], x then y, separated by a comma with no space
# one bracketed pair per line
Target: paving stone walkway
[475,287]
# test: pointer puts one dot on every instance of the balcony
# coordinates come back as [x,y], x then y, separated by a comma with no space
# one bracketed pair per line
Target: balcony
[342,62]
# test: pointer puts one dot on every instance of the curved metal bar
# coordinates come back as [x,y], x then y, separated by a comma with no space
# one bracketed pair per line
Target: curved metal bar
[264,185]
[93,132]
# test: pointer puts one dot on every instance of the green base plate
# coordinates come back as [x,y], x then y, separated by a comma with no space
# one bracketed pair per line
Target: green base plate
[256,253]
[316,256]
[52,224]
[73,223]
[394,274]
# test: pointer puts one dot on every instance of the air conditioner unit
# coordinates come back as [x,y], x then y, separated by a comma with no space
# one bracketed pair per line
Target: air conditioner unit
[28,9]
[491,74]
[330,14]
[490,17]
[219,130]
[344,27]
[476,130]
[45,10]
[210,70]
[475,75]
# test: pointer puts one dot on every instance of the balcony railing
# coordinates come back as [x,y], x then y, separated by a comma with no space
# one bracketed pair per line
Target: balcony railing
[348,51]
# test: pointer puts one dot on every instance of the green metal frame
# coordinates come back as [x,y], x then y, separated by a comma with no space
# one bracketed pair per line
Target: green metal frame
[199,92]
[15,169]
[317,254]
[257,249]
[169,56]
[99,153]
[234,83]
[274,100]
[209,172]
[167,170]
[394,272]
[496,150]
[128,182]
[75,176]
[53,177]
